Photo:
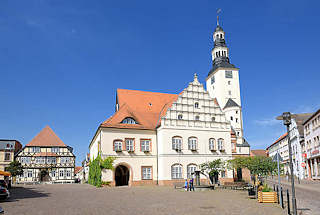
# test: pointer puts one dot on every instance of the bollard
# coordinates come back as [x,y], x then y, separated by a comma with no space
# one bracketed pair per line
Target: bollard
[278,194]
[274,187]
[288,201]
[281,193]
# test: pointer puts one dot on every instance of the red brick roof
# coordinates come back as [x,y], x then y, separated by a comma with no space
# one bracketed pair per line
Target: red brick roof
[77,169]
[146,108]
[46,137]
[259,152]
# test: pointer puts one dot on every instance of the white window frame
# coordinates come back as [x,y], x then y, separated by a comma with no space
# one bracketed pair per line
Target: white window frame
[55,149]
[30,174]
[129,120]
[146,173]
[5,156]
[68,173]
[129,144]
[221,144]
[192,143]
[53,173]
[191,168]
[176,143]
[212,144]
[117,145]
[61,173]
[145,145]
[176,171]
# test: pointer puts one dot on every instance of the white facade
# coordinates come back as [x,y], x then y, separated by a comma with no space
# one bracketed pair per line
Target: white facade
[297,159]
[212,125]
[281,146]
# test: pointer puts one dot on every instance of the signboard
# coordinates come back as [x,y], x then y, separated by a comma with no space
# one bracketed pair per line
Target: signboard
[276,157]
[303,165]
[304,155]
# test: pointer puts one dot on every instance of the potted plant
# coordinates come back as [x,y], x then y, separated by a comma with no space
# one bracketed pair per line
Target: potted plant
[267,195]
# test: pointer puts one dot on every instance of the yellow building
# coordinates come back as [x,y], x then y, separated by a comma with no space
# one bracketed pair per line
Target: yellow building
[8,148]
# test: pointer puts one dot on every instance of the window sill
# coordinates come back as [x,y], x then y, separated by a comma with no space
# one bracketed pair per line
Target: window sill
[147,179]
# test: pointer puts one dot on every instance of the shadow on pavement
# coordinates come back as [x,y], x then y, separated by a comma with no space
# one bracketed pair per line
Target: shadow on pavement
[18,193]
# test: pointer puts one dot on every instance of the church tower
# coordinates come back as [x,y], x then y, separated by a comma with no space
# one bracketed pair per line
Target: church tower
[223,82]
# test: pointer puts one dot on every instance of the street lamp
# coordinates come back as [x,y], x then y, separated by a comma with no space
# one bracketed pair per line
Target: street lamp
[286,117]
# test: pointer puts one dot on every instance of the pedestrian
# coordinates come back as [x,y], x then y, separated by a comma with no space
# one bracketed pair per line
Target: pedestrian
[191,184]
[186,185]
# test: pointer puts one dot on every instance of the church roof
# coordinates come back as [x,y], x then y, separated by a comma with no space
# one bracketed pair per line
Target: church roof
[221,62]
[146,108]
[46,137]
[218,28]
[231,103]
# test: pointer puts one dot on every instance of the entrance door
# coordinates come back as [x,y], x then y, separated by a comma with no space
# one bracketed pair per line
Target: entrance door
[122,175]
[239,174]
[44,175]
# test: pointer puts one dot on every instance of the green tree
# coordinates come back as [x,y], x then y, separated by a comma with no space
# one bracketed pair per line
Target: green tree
[95,168]
[15,168]
[212,168]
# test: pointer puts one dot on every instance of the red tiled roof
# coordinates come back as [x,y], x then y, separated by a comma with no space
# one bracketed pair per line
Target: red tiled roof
[259,152]
[146,108]
[46,137]
[44,154]
[77,169]
[279,139]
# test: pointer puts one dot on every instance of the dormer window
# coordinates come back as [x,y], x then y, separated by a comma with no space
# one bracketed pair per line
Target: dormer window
[129,120]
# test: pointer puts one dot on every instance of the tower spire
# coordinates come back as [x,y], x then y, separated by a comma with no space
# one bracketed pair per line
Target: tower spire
[218,11]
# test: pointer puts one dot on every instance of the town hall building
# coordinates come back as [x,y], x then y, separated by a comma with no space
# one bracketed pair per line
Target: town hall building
[160,138]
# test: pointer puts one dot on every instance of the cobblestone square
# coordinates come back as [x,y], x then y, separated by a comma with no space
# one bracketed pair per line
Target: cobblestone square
[85,199]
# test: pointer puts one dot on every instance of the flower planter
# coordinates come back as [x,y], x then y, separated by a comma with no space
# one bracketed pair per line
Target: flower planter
[267,197]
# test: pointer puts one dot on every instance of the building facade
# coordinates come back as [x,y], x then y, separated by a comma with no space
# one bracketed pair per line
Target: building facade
[46,159]
[8,149]
[312,145]
[162,139]
[281,146]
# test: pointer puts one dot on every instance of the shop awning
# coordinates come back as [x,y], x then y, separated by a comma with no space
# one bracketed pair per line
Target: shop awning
[4,173]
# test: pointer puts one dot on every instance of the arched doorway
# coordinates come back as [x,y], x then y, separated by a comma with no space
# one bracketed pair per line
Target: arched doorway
[44,175]
[122,175]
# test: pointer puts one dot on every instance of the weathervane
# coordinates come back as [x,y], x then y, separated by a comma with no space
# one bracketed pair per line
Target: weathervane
[218,11]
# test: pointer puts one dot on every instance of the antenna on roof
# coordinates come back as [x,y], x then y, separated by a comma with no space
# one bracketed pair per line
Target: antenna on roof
[218,11]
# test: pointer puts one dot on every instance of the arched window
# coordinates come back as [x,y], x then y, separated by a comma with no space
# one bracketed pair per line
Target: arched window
[192,143]
[177,143]
[176,171]
[212,144]
[117,145]
[231,118]
[191,168]
[197,118]
[129,120]
[180,116]
[220,144]
[196,105]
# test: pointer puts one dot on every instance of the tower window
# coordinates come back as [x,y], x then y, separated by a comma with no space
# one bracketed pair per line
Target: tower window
[231,118]
[212,80]
[225,53]
[229,82]
[180,116]
[236,112]
[196,105]
[236,119]
[213,119]
[229,92]
[197,118]
[228,74]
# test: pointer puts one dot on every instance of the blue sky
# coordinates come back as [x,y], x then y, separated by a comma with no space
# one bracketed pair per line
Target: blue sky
[62,61]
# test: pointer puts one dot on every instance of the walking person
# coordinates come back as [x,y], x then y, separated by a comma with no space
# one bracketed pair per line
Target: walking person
[186,185]
[191,184]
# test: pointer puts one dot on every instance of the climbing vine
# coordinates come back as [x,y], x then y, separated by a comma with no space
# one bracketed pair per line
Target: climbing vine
[95,168]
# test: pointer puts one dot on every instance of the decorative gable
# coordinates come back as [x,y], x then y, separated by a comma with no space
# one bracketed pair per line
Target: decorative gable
[195,108]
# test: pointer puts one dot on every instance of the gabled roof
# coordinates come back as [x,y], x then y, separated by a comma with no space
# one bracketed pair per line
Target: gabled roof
[77,169]
[278,140]
[46,137]
[146,108]
[231,103]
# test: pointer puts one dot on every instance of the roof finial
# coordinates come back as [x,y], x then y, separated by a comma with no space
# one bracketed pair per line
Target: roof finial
[218,11]
[195,79]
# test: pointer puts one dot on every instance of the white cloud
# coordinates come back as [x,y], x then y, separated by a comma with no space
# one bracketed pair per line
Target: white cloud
[267,122]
